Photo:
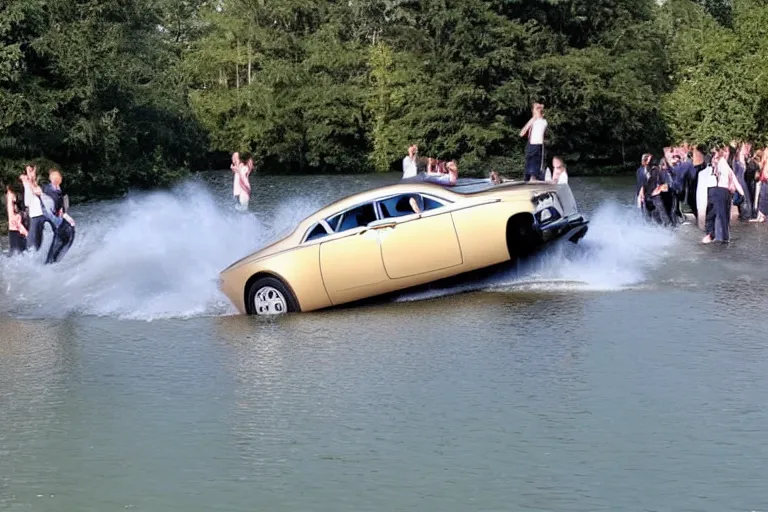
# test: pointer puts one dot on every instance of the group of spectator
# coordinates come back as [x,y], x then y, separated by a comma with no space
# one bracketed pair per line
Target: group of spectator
[717,184]
[39,204]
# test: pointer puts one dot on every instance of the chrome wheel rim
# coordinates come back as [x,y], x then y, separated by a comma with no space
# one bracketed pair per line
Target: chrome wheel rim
[269,301]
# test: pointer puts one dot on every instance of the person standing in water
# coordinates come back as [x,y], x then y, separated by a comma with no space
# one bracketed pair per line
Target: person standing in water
[744,203]
[535,129]
[36,219]
[643,173]
[53,189]
[235,168]
[17,233]
[244,184]
[62,224]
[719,199]
[650,196]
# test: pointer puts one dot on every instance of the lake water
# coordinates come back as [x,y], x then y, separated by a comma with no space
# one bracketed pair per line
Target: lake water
[629,372]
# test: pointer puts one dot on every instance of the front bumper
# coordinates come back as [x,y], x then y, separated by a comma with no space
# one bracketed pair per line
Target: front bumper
[573,227]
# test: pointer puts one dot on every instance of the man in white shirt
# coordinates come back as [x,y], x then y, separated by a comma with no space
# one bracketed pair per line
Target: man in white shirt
[535,129]
[721,185]
[34,208]
[410,169]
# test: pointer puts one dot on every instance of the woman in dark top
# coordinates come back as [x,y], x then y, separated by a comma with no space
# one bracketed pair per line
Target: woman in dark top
[17,233]
[650,195]
[744,202]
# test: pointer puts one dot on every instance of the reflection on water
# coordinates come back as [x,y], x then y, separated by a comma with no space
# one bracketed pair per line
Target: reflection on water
[629,372]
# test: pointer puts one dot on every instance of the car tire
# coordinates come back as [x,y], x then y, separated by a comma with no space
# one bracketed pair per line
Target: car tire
[521,237]
[269,296]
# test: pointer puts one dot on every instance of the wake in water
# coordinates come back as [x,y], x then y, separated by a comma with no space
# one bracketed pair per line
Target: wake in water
[619,251]
[155,255]
[158,255]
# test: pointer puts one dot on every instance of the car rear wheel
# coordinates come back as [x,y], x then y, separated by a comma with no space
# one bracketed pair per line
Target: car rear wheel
[521,236]
[269,296]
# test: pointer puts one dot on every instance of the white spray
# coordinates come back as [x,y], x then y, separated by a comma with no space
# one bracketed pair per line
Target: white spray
[155,255]
[619,251]
[158,255]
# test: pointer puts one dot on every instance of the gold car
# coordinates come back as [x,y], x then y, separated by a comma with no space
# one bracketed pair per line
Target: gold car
[399,236]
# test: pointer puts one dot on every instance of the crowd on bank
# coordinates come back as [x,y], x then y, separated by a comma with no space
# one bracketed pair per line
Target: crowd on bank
[718,185]
[40,204]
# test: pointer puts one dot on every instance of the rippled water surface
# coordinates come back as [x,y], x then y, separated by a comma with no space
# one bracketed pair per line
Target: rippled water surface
[629,372]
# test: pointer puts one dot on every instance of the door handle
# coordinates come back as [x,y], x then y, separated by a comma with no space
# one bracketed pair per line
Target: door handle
[382,226]
[378,226]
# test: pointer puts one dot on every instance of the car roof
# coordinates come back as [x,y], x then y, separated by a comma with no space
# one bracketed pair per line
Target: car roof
[463,187]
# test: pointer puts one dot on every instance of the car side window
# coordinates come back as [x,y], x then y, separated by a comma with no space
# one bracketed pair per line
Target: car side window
[357,217]
[317,232]
[431,204]
[399,206]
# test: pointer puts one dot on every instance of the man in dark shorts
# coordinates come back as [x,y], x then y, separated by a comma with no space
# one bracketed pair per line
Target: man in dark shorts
[535,129]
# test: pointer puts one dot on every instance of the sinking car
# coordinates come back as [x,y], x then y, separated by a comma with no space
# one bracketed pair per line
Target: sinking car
[399,236]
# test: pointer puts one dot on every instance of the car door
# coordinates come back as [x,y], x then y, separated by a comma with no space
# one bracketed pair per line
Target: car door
[417,244]
[350,258]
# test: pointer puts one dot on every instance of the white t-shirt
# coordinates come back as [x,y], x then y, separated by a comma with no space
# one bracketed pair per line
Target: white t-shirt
[537,131]
[725,172]
[707,177]
[32,202]
[409,167]
[563,178]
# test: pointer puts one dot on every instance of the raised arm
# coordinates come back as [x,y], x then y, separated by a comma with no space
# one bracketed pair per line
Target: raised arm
[733,183]
[526,128]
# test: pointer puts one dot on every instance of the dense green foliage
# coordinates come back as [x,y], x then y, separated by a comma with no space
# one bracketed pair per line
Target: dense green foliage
[132,93]
[720,92]
[93,86]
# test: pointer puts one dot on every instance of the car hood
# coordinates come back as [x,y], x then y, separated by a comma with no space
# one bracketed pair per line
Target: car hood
[270,250]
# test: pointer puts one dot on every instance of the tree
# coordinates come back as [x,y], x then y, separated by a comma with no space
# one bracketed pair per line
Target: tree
[719,92]
[91,89]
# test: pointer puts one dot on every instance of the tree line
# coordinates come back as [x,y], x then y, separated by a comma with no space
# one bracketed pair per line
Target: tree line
[125,94]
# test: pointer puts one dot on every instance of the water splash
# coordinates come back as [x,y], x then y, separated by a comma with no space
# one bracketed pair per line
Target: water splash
[153,255]
[158,255]
[619,251]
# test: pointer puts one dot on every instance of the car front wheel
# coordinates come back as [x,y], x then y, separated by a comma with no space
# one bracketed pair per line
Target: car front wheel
[269,296]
